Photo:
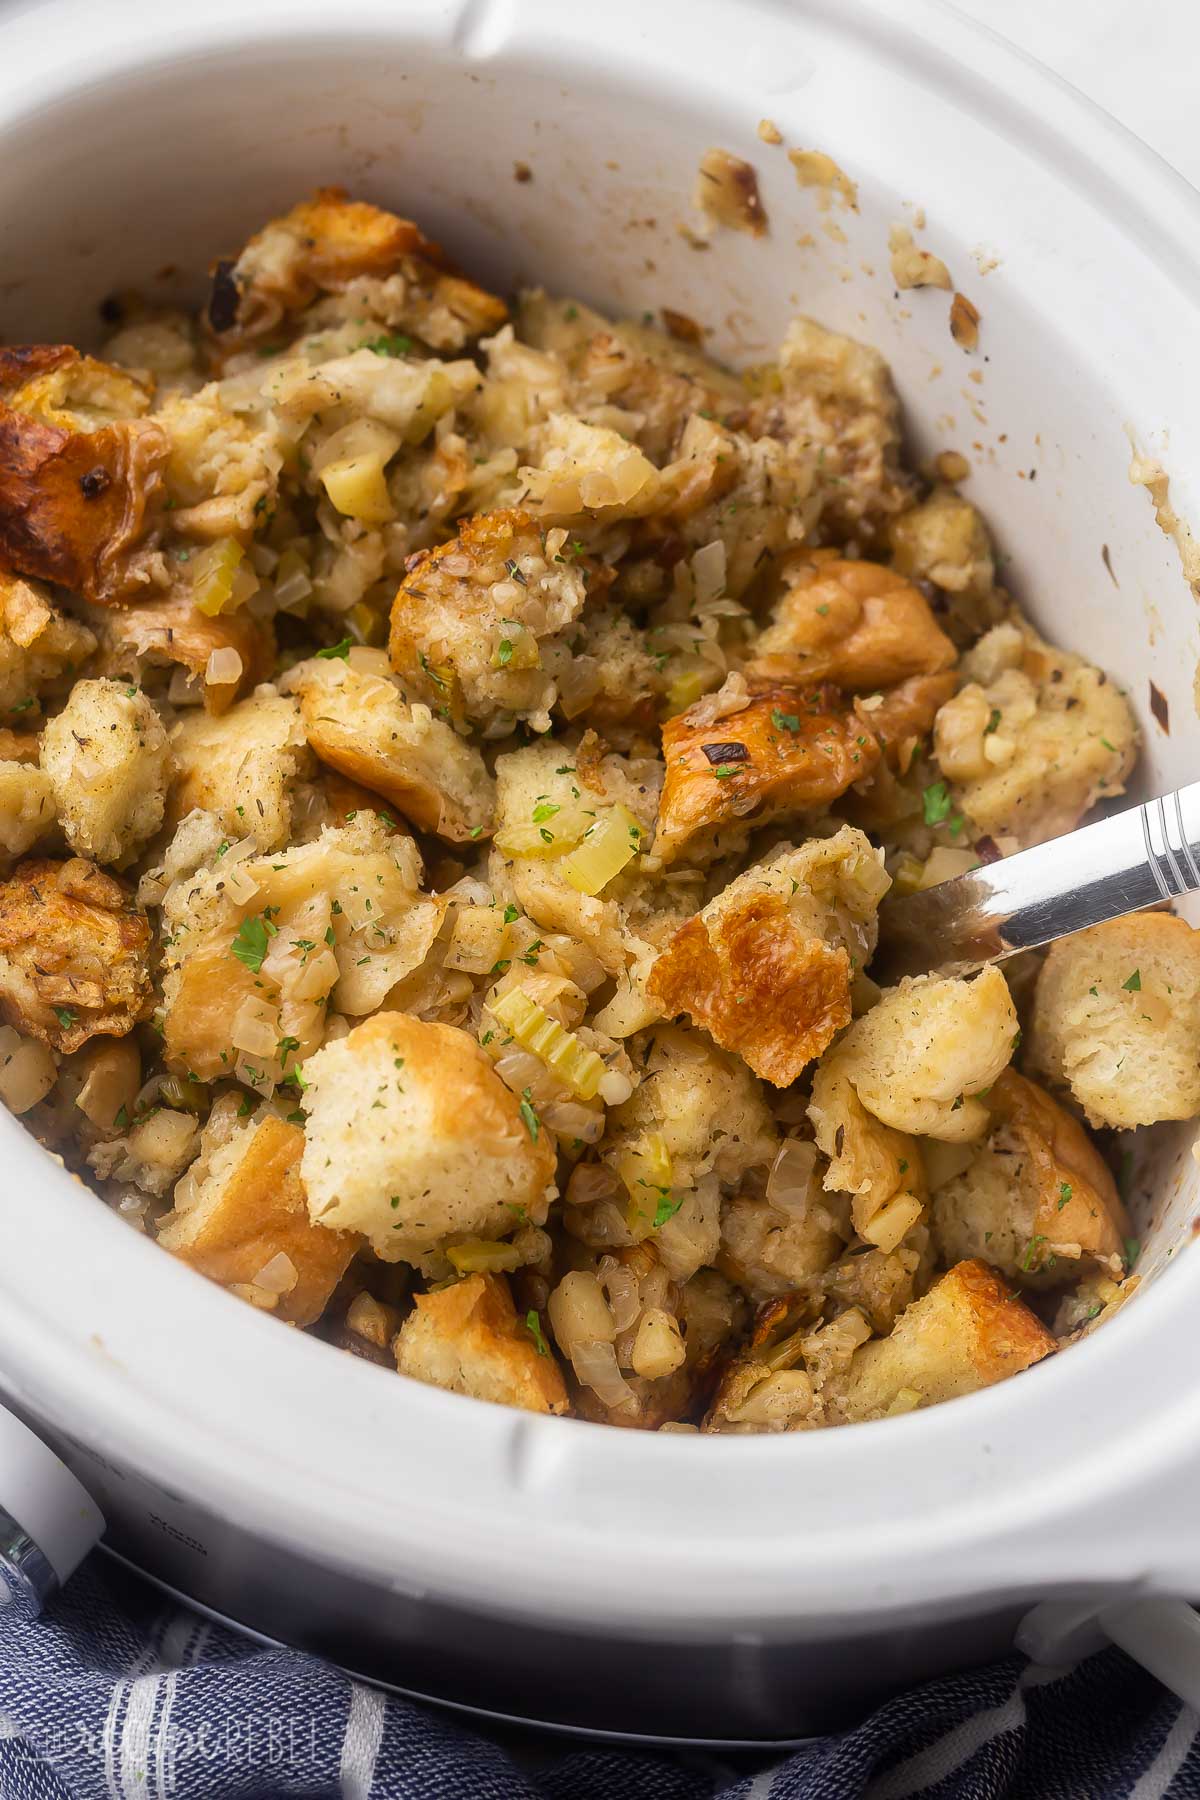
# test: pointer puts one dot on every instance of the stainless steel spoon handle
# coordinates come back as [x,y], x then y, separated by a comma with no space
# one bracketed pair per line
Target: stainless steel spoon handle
[1119,865]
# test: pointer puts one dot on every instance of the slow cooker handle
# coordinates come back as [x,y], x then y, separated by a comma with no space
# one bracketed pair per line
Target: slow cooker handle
[48,1521]
[1160,1632]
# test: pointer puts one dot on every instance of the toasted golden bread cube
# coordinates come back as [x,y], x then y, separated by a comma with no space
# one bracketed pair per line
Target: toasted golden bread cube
[357,722]
[929,1045]
[791,751]
[903,716]
[967,1332]
[1034,739]
[243,766]
[1037,1198]
[1116,1019]
[107,759]
[468,1338]
[413,1139]
[854,623]
[170,632]
[475,620]
[322,246]
[80,480]
[586,471]
[944,540]
[38,645]
[248,1208]
[74,953]
[766,967]
[660,380]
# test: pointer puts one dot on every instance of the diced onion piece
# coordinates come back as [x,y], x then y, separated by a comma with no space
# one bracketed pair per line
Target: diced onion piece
[479,940]
[579,1313]
[114,1075]
[708,571]
[476,1256]
[27,1070]
[944,863]
[791,1175]
[907,874]
[907,1400]
[515,648]
[607,846]
[548,835]
[293,584]
[614,1087]
[358,489]
[223,668]
[892,1221]
[213,573]
[595,1366]
[278,1276]
[658,1347]
[533,1028]
[255,1027]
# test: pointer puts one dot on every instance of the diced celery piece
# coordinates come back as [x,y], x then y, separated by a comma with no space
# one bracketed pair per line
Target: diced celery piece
[213,573]
[535,1030]
[607,846]
[478,1256]
[357,488]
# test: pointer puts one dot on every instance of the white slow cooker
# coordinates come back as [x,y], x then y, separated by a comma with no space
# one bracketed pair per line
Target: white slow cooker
[735,1588]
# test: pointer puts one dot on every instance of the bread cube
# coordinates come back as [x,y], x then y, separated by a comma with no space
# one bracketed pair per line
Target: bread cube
[766,966]
[790,752]
[107,759]
[966,1333]
[38,646]
[357,722]
[244,1207]
[74,953]
[169,632]
[467,1338]
[1116,1019]
[854,623]
[414,1140]
[243,766]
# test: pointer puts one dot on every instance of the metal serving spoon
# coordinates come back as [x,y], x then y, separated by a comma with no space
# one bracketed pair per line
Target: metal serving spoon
[1119,865]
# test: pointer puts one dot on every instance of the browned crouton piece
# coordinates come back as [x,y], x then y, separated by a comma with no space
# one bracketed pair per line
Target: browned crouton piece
[903,716]
[854,623]
[468,1338]
[80,479]
[168,631]
[40,648]
[248,1209]
[967,1332]
[1037,1199]
[1116,1019]
[474,621]
[791,751]
[323,245]
[74,953]
[766,967]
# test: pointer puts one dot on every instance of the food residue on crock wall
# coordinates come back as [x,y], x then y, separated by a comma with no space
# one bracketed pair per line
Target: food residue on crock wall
[964,322]
[769,132]
[681,327]
[1148,472]
[727,191]
[913,267]
[1160,708]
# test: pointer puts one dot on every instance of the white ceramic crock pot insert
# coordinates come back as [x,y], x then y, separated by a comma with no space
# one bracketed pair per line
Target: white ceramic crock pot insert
[133,140]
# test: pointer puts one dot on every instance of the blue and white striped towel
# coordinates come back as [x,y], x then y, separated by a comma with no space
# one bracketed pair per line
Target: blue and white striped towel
[113,1695]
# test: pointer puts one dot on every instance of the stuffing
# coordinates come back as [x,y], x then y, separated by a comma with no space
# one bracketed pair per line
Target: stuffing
[467,1337]
[696,1110]
[1034,738]
[170,633]
[927,1048]
[788,752]
[676,666]
[259,948]
[81,485]
[834,396]
[1116,1019]
[243,766]
[413,1139]
[766,967]
[39,646]
[357,721]
[477,624]
[330,244]
[967,1332]
[241,1219]
[1036,1199]
[853,623]
[74,953]
[107,760]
